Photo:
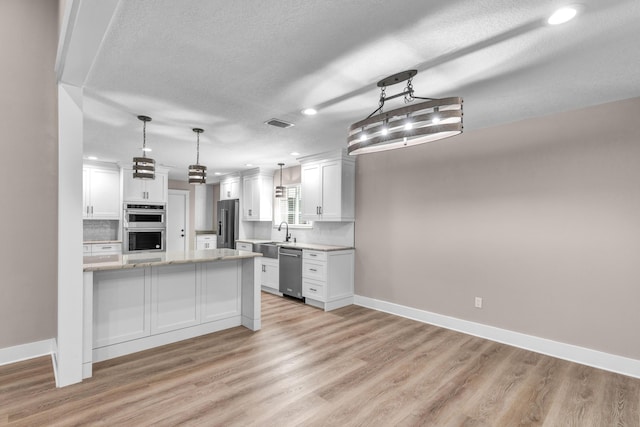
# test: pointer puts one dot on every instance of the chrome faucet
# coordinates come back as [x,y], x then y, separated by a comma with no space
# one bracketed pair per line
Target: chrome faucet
[287,235]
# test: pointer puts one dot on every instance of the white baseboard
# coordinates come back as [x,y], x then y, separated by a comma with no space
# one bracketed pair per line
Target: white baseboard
[27,351]
[570,352]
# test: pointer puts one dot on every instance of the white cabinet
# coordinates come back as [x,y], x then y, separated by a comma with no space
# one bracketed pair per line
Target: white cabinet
[244,246]
[204,207]
[257,196]
[121,309]
[145,190]
[230,187]
[101,249]
[270,275]
[328,187]
[100,192]
[206,241]
[175,293]
[327,278]
[220,291]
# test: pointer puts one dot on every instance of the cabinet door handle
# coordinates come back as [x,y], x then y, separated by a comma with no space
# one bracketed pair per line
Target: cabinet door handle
[87,210]
[263,270]
[91,210]
[313,289]
[320,207]
[312,269]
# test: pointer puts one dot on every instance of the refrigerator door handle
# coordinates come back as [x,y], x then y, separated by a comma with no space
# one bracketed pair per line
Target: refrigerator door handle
[225,236]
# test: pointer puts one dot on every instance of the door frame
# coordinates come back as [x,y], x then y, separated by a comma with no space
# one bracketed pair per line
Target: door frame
[187,198]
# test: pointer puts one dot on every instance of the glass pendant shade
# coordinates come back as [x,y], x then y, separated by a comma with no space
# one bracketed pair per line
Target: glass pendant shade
[280,190]
[144,167]
[197,172]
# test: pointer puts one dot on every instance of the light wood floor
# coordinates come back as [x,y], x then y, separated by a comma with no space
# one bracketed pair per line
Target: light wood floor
[353,366]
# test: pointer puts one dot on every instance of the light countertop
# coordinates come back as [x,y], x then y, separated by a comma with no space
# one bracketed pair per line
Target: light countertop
[118,262]
[101,242]
[298,245]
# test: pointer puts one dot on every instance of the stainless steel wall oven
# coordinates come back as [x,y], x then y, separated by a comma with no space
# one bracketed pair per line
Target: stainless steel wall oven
[144,228]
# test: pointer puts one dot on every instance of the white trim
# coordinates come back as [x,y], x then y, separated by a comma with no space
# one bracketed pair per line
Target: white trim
[152,341]
[572,353]
[27,351]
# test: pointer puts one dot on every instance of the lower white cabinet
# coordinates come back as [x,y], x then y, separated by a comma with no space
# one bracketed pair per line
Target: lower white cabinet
[327,278]
[206,241]
[175,293]
[270,275]
[101,249]
[220,296]
[135,303]
[121,306]
[244,246]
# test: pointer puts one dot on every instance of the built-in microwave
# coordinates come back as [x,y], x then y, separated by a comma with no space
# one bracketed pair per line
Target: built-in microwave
[144,240]
[144,216]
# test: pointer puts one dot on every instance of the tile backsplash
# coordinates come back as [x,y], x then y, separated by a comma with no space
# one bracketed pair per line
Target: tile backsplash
[94,229]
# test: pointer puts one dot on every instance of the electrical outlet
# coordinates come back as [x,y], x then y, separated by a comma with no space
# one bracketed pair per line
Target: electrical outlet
[478,302]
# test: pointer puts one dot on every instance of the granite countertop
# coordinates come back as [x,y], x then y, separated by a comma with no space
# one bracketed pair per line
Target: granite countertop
[100,242]
[298,245]
[314,247]
[119,262]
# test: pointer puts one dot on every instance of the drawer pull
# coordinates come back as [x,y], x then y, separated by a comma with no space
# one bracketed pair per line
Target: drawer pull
[313,254]
[313,289]
[313,269]
[106,247]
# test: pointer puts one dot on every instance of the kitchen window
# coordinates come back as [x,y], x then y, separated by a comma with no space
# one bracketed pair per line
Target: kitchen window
[288,208]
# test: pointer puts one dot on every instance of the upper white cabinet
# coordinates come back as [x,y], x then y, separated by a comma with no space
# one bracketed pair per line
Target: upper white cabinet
[145,190]
[230,187]
[257,196]
[328,187]
[100,192]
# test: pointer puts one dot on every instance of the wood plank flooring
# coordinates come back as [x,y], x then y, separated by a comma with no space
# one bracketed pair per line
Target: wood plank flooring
[350,367]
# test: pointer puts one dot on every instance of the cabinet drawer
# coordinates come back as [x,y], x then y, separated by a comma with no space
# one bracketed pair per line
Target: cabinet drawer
[242,246]
[314,290]
[105,249]
[314,270]
[314,255]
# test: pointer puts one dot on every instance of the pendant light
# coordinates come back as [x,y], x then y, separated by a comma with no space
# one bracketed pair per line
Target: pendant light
[412,124]
[280,190]
[197,172]
[144,167]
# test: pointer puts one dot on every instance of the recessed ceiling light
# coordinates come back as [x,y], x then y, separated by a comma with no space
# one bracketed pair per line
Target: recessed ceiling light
[309,111]
[92,158]
[217,173]
[295,153]
[146,149]
[562,15]
[249,164]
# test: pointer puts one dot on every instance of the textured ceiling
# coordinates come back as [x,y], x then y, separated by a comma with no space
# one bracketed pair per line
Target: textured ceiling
[228,66]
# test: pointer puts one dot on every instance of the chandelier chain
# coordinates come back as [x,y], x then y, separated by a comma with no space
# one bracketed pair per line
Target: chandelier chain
[409,91]
[198,149]
[144,138]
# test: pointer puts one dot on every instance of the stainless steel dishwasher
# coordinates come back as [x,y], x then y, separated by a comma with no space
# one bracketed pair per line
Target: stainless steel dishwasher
[291,272]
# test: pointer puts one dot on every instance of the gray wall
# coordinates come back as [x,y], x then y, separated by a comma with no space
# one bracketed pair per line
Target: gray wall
[541,218]
[28,120]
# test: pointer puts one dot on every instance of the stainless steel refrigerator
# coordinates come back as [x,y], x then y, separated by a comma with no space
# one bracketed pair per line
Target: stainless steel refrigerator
[228,223]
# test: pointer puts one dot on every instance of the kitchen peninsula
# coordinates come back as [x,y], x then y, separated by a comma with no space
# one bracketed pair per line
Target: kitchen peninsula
[140,301]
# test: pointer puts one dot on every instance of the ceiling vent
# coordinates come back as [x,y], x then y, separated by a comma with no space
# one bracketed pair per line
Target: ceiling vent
[278,123]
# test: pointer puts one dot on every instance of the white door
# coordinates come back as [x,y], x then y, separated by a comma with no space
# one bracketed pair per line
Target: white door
[177,214]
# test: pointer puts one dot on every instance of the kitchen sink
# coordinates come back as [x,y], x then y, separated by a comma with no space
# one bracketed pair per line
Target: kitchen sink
[269,250]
